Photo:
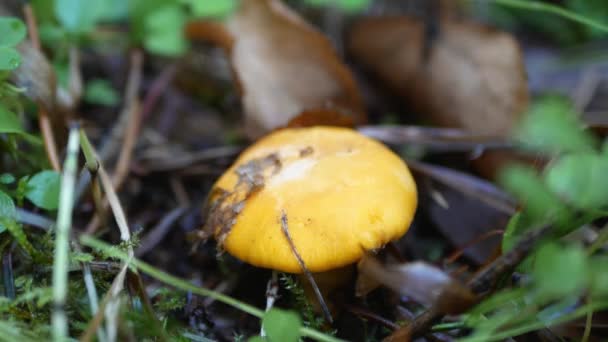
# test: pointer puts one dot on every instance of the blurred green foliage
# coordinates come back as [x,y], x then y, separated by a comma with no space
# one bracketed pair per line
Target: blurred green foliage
[43,189]
[557,28]
[351,6]
[100,92]
[568,194]
[12,32]
[280,325]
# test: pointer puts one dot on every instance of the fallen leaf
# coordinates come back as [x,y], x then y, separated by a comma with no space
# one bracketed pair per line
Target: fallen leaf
[473,78]
[426,284]
[324,117]
[283,66]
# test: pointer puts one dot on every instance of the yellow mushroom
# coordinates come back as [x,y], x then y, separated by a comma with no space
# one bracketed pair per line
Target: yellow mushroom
[337,192]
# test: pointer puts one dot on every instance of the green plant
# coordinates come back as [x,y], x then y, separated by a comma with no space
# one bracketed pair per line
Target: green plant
[562,280]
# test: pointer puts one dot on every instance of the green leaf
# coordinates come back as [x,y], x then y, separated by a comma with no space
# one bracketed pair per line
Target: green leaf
[12,31]
[560,271]
[551,125]
[43,189]
[281,325]
[100,92]
[580,179]
[7,209]
[164,31]
[114,10]
[509,238]
[599,276]
[9,122]
[256,339]
[10,59]
[592,9]
[211,8]
[540,203]
[78,16]
[7,178]
[81,257]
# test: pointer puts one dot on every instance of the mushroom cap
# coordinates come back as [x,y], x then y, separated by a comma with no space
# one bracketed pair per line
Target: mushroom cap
[341,193]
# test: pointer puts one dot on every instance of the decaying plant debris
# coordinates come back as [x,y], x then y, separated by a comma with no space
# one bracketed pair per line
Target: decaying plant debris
[225,205]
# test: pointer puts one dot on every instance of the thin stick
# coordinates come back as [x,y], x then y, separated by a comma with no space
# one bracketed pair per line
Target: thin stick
[121,171]
[91,291]
[119,214]
[131,111]
[156,234]
[307,273]
[372,317]
[32,27]
[50,147]
[133,107]
[7,275]
[125,236]
[588,324]
[94,323]
[460,251]
[64,224]
[44,122]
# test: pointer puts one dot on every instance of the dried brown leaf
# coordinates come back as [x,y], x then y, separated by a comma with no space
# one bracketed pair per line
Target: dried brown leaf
[283,66]
[423,282]
[473,78]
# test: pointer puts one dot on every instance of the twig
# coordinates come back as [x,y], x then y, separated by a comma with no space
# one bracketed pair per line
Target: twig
[98,318]
[372,317]
[437,139]
[588,324]
[313,283]
[486,278]
[91,291]
[132,112]
[125,236]
[157,233]
[454,256]
[177,162]
[134,109]
[157,88]
[7,275]
[94,323]
[32,27]
[181,196]
[479,284]
[44,122]
[50,147]
[131,133]
[64,223]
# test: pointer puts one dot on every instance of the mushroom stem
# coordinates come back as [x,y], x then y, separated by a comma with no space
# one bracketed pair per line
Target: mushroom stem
[309,277]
